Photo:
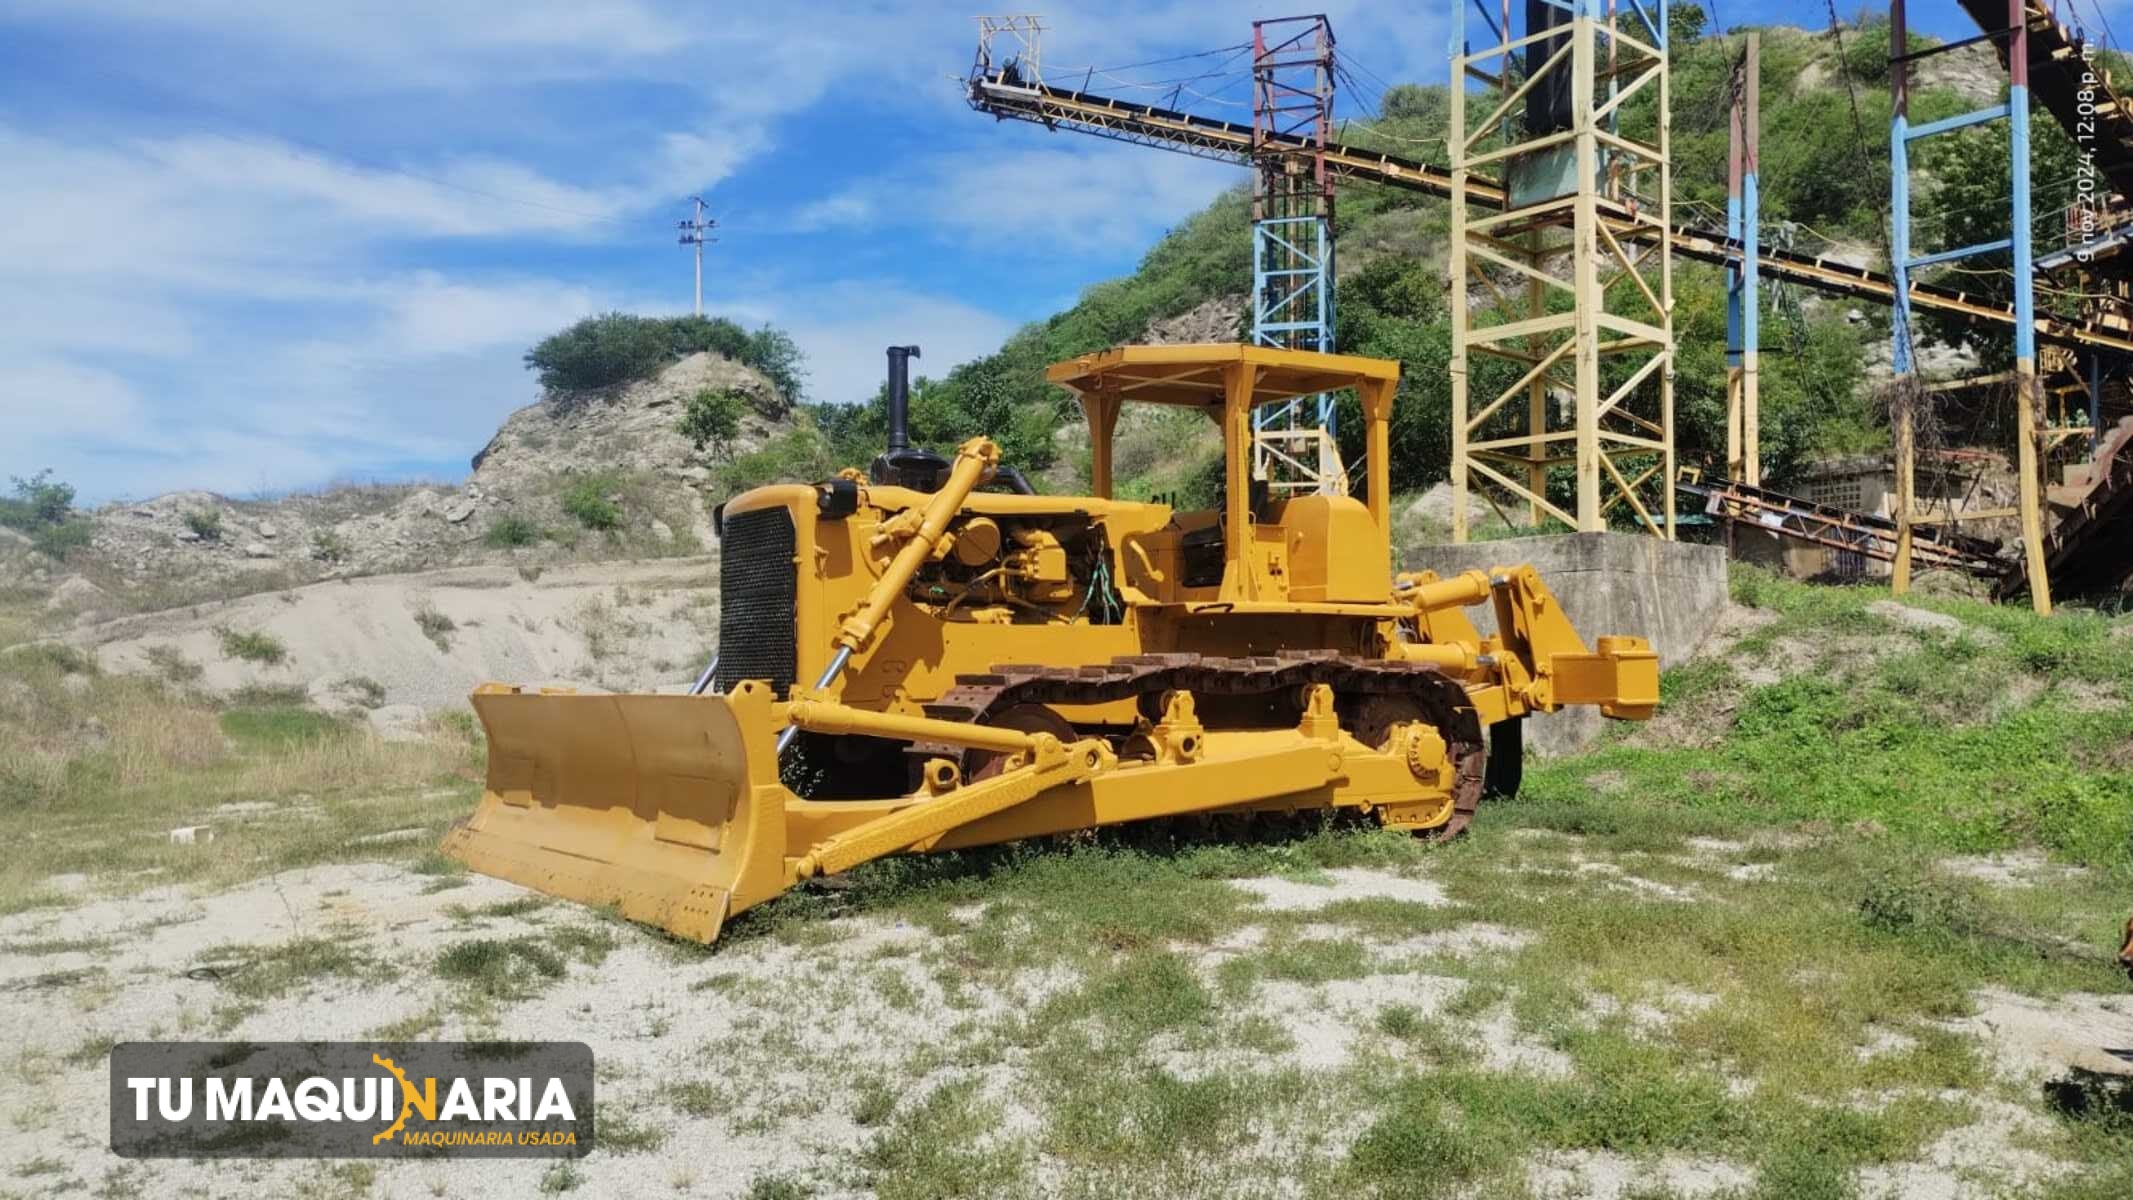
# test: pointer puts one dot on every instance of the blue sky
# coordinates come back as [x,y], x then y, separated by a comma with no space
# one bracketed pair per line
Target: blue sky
[254,245]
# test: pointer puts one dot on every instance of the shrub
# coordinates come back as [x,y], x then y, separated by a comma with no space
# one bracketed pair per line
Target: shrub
[206,522]
[58,541]
[254,646]
[590,500]
[713,419]
[618,347]
[601,351]
[328,546]
[171,663]
[512,530]
[44,509]
[38,501]
[435,626]
[798,455]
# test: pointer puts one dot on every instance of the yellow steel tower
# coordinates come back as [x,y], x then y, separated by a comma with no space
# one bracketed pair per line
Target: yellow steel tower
[1562,289]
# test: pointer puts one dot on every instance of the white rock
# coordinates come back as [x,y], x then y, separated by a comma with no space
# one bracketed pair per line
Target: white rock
[1915,618]
[186,835]
[187,535]
[257,550]
[267,530]
[663,531]
[458,511]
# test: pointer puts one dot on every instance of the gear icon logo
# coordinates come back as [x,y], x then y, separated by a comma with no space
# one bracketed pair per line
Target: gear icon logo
[406,1106]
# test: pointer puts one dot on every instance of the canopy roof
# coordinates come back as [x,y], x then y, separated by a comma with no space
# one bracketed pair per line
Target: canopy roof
[1193,374]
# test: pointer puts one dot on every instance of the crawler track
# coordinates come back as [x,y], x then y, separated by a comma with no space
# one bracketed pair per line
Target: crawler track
[1360,685]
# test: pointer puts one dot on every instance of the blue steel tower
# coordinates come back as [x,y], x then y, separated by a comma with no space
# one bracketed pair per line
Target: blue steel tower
[1292,241]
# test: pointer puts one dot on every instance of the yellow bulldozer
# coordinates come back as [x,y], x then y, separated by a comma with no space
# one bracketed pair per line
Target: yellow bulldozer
[928,655]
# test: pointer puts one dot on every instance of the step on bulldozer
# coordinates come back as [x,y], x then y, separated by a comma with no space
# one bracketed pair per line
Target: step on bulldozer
[929,656]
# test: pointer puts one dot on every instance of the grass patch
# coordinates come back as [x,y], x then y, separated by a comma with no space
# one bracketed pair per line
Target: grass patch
[1909,731]
[511,530]
[593,500]
[265,972]
[618,1131]
[171,664]
[279,727]
[257,646]
[947,1145]
[435,626]
[504,969]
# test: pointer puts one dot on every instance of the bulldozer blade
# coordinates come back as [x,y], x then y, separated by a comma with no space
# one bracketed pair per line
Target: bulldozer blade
[666,808]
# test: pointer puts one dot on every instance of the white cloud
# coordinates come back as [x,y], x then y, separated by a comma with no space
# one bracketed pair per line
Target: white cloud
[1072,194]
[430,314]
[196,301]
[844,330]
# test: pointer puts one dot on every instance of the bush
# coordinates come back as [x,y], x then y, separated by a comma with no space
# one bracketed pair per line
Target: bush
[44,509]
[171,663]
[436,626]
[58,541]
[589,499]
[255,646]
[601,351]
[206,522]
[619,347]
[713,419]
[512,530]
[328,546]
[799,455]
[38,502]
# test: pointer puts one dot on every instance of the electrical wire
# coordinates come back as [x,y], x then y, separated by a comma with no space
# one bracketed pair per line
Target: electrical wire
[1851,92]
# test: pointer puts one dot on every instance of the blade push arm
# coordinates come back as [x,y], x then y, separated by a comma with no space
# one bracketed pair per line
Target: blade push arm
[1535,662]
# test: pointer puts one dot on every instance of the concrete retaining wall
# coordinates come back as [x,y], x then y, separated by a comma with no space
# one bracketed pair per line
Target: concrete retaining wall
[1610,583]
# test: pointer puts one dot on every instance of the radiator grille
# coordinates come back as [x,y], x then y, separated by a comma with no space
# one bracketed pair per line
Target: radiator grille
[756,586]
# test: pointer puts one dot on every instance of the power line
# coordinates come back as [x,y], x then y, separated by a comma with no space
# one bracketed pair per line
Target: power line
[1851,92]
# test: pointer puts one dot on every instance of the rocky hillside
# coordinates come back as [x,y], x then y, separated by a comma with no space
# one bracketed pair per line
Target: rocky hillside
[572,477]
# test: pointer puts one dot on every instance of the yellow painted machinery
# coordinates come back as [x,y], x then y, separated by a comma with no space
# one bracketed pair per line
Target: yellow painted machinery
[928,656]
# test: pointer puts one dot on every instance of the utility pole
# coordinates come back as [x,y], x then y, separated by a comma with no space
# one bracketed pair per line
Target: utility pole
[695,232]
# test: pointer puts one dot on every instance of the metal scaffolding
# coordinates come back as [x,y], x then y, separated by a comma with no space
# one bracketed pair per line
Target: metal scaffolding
[2029,434]
[1744,455]
[1595,331]
[1293,448]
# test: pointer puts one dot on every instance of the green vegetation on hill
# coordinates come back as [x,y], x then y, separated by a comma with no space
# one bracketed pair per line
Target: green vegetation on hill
[1994,730]
[615,347]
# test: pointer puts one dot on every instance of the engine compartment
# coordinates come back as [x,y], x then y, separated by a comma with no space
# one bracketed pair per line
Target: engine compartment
[1015,569]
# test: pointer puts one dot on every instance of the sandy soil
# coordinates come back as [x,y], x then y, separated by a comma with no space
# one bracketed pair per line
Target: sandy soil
[155,966]
[620,625]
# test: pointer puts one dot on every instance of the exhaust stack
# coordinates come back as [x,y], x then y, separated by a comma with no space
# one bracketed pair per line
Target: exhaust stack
[900,465]
[900,397]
